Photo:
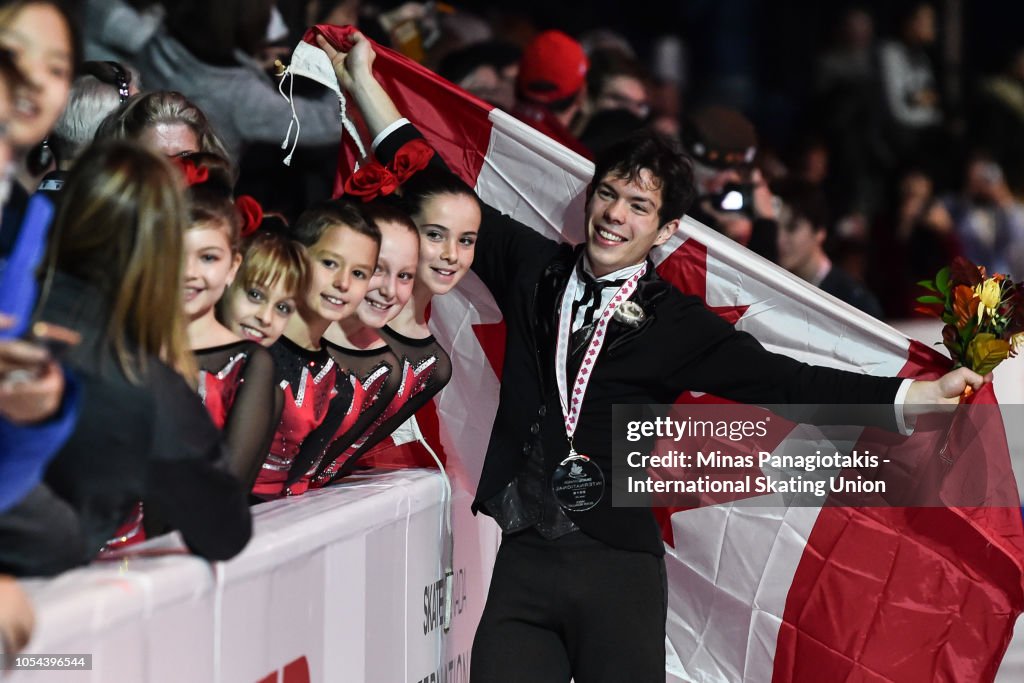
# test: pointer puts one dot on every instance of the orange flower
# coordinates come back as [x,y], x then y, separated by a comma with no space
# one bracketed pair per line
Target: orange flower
[965,305]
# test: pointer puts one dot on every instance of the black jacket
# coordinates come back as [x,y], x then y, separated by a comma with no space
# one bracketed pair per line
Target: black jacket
[679,346]
[151,441]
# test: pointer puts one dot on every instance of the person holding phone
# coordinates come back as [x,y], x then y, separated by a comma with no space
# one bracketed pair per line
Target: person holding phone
[38,408]
[114,276]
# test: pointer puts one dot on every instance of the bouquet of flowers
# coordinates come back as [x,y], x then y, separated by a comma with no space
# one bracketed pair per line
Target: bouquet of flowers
[984,315]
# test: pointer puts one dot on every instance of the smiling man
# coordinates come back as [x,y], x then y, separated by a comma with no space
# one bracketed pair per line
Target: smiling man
[578,589]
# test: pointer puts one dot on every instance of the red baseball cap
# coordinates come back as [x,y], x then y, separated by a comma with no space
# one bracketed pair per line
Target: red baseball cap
[553,67]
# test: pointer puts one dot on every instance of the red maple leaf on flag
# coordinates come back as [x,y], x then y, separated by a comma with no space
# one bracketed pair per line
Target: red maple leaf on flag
[687,269]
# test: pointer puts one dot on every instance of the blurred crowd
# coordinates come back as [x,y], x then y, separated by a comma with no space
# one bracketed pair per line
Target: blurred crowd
[189,326]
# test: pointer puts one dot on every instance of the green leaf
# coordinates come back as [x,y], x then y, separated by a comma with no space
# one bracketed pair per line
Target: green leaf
[942,280]
[928,284]
[986,352]
[929,299]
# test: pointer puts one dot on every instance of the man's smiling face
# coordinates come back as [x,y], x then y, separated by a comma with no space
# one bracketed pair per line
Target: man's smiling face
[623,222]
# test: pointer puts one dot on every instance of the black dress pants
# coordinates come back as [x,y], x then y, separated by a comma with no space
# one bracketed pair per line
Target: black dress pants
[571,608]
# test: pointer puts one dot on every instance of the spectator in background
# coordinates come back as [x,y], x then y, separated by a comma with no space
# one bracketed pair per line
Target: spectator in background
[337,12]
[849,246]
[551,87]
[811,161]
[166,122]
[41,37]
[608,126]
[910,243]
[616,80]
[733,197]
[668,84]
[617,98]
[99,90]
[998,119]
[207,51]
[911,89]
[850,110]
[803,222]
[487,70]
[102,40]
[988,219]
[850,56]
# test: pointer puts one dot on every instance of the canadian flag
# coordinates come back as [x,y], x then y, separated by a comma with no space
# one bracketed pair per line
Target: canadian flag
[756,594]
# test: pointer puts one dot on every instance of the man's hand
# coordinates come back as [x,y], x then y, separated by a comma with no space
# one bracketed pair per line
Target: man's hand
[947,389]
[353,65]
[942,394]
[354,70]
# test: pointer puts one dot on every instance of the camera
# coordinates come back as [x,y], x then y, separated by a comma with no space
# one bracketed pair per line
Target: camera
[734,197]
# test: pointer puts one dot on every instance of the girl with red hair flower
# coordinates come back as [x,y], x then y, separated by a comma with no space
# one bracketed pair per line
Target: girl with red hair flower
[236,376]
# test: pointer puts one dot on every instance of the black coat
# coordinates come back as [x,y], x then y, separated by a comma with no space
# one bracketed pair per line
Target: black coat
[679,346]
[151,441]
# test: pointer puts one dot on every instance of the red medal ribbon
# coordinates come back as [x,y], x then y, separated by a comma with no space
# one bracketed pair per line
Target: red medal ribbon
[573,403]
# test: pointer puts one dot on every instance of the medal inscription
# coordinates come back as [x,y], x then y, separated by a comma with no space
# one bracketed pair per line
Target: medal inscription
[578,484]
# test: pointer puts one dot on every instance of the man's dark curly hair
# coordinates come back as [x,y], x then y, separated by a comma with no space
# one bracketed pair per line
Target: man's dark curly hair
[663,157]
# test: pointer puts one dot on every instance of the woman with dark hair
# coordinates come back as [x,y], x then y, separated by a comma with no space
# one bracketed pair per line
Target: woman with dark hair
[42,40]
[114,276]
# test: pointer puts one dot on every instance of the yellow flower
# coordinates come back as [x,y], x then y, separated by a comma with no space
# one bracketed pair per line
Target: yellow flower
[1017,340]
[989,294]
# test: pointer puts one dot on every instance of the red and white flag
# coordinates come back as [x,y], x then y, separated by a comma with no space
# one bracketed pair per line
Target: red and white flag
[756,594]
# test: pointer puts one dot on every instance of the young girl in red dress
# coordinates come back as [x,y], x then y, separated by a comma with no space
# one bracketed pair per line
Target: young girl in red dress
[356,345]
[236,375]
[262,298]
[447,216]
[341,250]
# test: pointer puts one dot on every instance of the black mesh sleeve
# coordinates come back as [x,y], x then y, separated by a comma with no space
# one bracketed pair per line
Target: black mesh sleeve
[253,416]
[426,369]
[378,371]
[314,446]
[254,412]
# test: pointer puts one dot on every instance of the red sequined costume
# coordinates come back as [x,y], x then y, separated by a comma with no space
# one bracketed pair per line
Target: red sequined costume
[312,387]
